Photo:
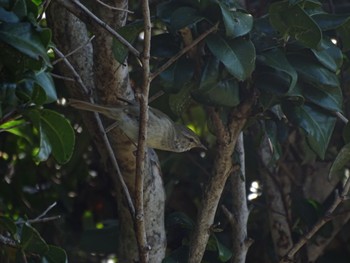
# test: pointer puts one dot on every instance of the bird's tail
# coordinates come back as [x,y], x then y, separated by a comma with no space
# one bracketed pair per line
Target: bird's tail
[83,105]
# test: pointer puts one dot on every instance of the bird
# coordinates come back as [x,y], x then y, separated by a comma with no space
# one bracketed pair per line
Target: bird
[162,132]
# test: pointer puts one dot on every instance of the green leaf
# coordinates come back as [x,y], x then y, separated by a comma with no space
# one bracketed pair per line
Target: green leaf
[44,80]
[237,23]
[330,21]
[60,134]
[313,73]
[130,33]
[342,159]
[224,253]
[178,218]
[55,255]
[164,46]
[329,56]
[17,128]
[292,20]
[31,241]
[330,98]
[344,33]
[216,91]
[317,124]
[277,60]
[238,55]
[20,8]
[8,17]
[165,9]
[8,225]
[184,17]
[179,102]
[177,75]
[22,37]
[45,148]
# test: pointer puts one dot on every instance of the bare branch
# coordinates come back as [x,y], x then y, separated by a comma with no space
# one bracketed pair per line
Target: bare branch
[227,136]
[85,14]
[114,8]
[141,148]
[104,135]
[73,51]
[184,51]
[320,223]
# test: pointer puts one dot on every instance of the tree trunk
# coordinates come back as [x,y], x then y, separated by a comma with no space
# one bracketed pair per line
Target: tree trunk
[107,80]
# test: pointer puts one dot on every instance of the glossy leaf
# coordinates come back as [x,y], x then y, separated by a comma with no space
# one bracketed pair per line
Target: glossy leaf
[130,33]
[342,159]
[329,56]
[177,75]
[184,17]
[214,90]
[55,255]
[60,134]
[330,98]
[238,55]
[292,20]
[313,73]
[317,124]
[7,16]
[277,60]
[330,21]
[22,37]
[224,253]
[44,80]
[237,23]
[31,241]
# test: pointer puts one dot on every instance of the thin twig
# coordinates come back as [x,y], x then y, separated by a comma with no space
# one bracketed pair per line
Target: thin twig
[114,8]
[141,237]
[61,77]
[39,220]
[184,51]
[101,23]
[74,51]
[104,136]
[320,223]
[46,211]
[342,117]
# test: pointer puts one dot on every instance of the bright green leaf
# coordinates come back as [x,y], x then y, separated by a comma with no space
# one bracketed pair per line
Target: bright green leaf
[224,253]
[317,124]
[238,55]
[342,159]
[60,134]
[237,23]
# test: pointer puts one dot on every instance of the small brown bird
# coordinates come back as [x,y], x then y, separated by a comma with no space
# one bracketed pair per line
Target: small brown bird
[162,132]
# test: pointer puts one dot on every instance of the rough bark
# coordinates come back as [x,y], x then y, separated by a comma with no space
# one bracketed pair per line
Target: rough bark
[276,189]
[102,73]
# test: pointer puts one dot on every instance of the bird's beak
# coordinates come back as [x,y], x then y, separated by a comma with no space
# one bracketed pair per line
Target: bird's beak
[202,147]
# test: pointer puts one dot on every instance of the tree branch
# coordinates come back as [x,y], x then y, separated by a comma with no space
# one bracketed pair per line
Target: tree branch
[226,140]
[83,13]
[320,223]
[184,51]
[141,148]
[102,132]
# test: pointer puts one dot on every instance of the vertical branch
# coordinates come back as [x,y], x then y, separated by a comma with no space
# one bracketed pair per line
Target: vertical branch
[241,243]
[141,154]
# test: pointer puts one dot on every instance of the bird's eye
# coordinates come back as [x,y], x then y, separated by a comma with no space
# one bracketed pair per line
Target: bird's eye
[191,140]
